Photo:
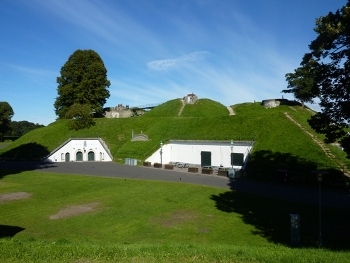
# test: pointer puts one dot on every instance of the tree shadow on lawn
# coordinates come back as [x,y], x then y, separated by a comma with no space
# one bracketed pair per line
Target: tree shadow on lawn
[29,152]
[25,157]
[288,168]
[267,205]
[271,219]
[9,231]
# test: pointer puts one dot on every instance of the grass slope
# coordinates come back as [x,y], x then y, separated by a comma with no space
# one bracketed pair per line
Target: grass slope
[204,108]
[147,221]
[169,109]
[279,143]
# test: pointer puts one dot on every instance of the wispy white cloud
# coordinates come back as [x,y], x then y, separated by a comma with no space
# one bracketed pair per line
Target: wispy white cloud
[31,70]
[106,23]
[166,64]
[42,77]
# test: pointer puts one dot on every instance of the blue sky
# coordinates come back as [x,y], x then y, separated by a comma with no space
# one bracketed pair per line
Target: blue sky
[230,51]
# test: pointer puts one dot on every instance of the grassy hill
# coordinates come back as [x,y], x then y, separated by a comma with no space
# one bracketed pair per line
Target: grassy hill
[204,108]
[169,109]
[279,142]
[153,221]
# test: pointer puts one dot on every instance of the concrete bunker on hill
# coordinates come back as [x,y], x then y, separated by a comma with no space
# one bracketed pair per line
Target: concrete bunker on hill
[204,153]
[81,150]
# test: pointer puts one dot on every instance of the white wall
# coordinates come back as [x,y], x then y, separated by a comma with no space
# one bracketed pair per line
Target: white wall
[80,145]
[190,152]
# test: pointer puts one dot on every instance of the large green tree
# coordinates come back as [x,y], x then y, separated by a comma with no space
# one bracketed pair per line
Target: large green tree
[83,81]
[81,117]
[301,83]
[6,113]
[325,74]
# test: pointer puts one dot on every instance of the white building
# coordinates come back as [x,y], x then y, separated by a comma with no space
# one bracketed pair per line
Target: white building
[81,150]
[204,153]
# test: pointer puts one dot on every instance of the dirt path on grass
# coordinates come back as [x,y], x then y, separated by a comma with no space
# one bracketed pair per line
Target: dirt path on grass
[74,210]
[8,197]
[231,111]
[322,145]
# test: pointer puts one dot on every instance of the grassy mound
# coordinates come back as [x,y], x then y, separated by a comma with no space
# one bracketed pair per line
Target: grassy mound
[204,108]
[168,109]
[279,143]
[71,218]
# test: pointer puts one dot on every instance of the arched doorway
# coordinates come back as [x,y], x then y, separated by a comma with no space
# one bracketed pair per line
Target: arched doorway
[79,156]
[91,156]
[67,158]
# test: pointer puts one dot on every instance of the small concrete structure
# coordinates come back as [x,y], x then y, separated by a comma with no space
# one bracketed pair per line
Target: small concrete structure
[119,111]
[140,137]
[203,153]
[273,103]
[190,99]
[81,150]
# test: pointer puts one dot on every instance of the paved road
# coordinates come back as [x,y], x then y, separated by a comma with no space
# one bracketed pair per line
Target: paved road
[110,169]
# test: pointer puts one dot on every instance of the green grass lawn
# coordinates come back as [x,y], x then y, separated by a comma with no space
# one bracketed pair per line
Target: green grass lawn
[148,221]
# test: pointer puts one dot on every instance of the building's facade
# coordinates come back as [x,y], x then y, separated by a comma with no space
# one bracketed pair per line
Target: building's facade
[81,150]
[204,153]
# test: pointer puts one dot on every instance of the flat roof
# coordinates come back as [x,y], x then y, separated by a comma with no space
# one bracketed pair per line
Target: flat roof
[213,142]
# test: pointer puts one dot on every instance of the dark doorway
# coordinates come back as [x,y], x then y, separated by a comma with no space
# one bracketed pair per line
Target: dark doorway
[205,158]
[91,156]
[237,159]
[79,156]
[67,159]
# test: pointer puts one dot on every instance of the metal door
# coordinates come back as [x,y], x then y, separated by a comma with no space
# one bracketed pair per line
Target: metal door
[205,158]
[237,159]
[91,156]
[79,156]
[67,159]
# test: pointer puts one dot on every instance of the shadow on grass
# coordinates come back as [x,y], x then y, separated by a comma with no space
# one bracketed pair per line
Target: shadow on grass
[9,231]
[29,152]
[15,167]
[285,167]
[267,204]
[271,219]
[265,163]
[25,157]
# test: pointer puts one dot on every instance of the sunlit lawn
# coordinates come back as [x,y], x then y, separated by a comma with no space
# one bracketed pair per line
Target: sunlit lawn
[133,220]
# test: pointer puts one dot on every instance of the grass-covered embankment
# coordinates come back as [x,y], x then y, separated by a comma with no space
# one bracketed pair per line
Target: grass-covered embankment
[149,221]
[279,143]
[64,251]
